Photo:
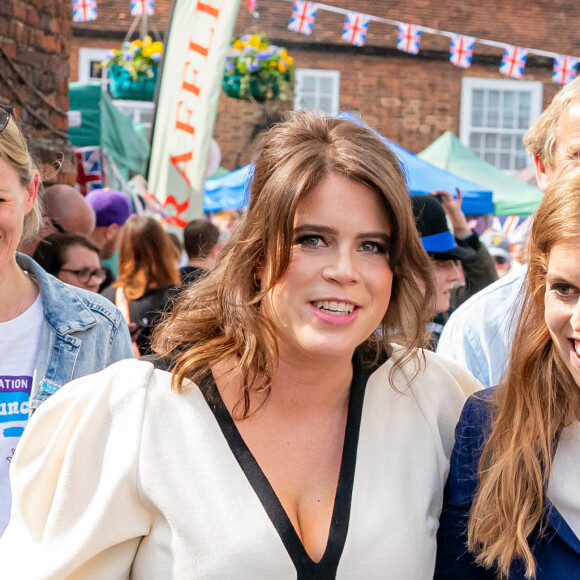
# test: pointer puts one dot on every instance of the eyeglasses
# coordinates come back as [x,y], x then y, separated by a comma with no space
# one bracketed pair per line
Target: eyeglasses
[5,113]
[57,226]
[86,274]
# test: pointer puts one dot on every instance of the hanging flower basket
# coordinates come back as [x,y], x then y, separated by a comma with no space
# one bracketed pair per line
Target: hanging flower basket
[256,70]
[133,69]
[124,86]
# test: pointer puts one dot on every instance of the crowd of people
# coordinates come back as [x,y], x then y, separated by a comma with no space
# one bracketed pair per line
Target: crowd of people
[258,396]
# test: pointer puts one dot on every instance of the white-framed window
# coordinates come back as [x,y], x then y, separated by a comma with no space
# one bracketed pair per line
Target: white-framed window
[89,64]
[317,89]
[495,115]
[139,111]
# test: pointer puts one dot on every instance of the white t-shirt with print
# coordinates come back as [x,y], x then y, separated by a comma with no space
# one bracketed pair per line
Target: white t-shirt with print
[19,341]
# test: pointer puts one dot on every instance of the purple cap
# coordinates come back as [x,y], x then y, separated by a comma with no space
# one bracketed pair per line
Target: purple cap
[111,206]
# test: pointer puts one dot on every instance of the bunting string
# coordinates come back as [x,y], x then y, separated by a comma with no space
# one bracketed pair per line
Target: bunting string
[409,36]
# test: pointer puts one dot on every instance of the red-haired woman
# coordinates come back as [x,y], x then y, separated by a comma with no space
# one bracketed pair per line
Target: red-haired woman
[147,278]
[512,506]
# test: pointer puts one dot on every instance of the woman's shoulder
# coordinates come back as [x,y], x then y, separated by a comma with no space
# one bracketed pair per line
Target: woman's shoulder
[116,387]
[431,375]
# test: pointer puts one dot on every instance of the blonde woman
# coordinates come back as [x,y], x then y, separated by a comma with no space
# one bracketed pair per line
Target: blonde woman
[50,332]
[512,506]
[289,438]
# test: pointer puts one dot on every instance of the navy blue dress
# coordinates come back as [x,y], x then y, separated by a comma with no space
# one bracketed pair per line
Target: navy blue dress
[557,550]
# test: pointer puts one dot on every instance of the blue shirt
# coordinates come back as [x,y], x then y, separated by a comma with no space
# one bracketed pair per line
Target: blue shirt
[556,551]
[479,333]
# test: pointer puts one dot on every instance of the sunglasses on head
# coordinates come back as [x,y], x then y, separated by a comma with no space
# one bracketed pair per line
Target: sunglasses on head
[5,113]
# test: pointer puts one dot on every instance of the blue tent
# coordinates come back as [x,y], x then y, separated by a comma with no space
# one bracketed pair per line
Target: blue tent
[423,178]
[230,191]
[227,191]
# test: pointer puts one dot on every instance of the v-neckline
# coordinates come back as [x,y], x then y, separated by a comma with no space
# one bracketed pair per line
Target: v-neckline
[305,567]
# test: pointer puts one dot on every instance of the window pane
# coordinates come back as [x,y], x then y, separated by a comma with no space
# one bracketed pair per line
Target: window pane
[493,99]
[489,157]
[493,119]
[477,98]
[506,142]
[308,83]
[308,102]
[326,85]
[325,103]
[475,141]
[477,118]
[508,119]
[505,161]
[490,141]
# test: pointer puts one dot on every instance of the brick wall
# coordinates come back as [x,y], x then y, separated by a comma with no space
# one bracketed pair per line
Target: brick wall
[34,71]
[410,99]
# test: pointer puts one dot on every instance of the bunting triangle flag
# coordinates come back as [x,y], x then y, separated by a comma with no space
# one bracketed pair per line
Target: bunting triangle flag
[142,7]
[565,69]
[408,38]
[303,16]
[355,28]
[513,62]
[461,50]
[84,10]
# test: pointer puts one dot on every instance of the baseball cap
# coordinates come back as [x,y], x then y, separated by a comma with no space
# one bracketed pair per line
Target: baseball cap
[111,206]
[436,238]
[497,244]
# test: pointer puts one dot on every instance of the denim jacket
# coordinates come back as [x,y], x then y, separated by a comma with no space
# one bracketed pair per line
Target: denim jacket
[82,333]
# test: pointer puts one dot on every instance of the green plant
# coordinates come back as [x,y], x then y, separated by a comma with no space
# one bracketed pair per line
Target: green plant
[139,57]
[256,69]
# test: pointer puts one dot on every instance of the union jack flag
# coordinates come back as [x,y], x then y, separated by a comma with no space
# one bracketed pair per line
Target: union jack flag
[355,28]
[84,10]
[565,69]
[253,8]
[303,15]
[513,61]
[89,168]
[142,7]
[408,38]
[461,50]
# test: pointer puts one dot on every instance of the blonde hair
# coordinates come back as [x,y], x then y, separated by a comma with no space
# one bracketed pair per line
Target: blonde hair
[220,316]
[537,397]
[14,151]
[542,136]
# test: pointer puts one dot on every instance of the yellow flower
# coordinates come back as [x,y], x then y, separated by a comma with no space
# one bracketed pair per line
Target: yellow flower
[255,41]
[238,44]
[281,67]
[137,43]
[157,47]
[146,51]
[283,53]
[147,41]
[289,60]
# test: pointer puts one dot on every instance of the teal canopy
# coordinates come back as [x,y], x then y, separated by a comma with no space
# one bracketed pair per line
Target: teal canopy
[102,124]
[510,196]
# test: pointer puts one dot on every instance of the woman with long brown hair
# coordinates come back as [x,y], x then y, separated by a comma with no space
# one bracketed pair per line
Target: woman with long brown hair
[291,437]
[147,280]
[514,470]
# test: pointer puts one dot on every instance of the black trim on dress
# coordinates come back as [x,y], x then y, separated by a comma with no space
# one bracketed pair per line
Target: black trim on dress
[306,568]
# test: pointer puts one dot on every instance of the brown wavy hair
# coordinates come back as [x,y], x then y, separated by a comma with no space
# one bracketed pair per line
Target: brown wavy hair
[146,258]
[536,399]
[220,317]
